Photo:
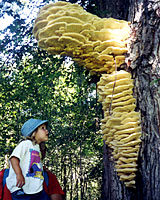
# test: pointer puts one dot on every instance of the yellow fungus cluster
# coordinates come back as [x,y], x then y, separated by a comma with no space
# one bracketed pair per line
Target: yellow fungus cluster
[67,29]
[121,124]
[99,44]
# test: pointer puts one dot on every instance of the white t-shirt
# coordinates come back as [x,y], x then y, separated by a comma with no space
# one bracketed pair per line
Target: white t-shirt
[30,163]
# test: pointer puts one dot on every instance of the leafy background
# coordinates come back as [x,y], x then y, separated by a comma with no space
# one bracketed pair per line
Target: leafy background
[35,84]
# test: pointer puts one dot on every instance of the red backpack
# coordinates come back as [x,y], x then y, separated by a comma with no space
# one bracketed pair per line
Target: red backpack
[5,175]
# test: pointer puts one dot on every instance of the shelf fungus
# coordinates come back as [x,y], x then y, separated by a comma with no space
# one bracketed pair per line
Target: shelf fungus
[121,124]
[100,45]
[67,29]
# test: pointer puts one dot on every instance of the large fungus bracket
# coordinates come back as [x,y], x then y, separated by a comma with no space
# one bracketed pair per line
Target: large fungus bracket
[100,45]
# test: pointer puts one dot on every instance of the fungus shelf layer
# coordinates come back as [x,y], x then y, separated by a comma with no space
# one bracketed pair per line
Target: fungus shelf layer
[121,124]
[67,29]
[100,45]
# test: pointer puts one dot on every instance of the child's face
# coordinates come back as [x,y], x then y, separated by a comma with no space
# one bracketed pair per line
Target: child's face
[41,134]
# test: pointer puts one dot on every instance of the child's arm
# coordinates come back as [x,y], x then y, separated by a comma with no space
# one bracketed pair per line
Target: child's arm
[16,166]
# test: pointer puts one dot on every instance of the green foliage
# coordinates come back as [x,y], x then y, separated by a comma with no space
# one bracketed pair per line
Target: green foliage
[35,84]
[89,5]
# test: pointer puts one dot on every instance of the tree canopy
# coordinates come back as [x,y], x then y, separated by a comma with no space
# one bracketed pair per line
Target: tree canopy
[35,84]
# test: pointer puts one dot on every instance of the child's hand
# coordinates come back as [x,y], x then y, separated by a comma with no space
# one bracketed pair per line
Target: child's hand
[20,180]
[16,166]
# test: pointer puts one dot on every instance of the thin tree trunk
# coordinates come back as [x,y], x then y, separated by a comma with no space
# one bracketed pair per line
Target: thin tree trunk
[71,177]
[65,176]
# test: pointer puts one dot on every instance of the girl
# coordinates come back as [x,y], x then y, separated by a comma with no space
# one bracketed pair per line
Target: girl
[25,180]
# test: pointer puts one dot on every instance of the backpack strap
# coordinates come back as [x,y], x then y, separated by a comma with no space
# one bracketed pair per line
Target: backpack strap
[46,178]
[5,175]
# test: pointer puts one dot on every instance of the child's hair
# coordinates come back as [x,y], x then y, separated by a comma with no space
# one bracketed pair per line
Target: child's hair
[32,137]
[43,150]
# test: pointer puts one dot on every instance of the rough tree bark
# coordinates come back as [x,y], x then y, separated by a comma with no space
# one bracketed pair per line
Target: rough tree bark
[145,68]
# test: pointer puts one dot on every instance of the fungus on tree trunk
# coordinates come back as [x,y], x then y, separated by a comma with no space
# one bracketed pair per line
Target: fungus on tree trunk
[99,44]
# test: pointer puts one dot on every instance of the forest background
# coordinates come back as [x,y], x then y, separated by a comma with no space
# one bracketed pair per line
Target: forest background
[35,84]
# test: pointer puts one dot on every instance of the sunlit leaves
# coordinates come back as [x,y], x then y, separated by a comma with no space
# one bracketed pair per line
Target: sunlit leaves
[35,84]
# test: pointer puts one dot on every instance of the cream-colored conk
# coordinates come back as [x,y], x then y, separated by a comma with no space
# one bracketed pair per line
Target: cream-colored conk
[121,126]
[67,29]
[99,44]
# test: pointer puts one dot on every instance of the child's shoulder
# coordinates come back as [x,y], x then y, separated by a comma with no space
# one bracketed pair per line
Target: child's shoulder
[25,142]
[22,145]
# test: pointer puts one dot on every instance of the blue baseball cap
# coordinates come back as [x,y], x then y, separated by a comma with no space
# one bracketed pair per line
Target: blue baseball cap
[30,126]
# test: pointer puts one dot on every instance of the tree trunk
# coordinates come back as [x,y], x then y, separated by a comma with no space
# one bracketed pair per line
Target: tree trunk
[145,65]
[115,8]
